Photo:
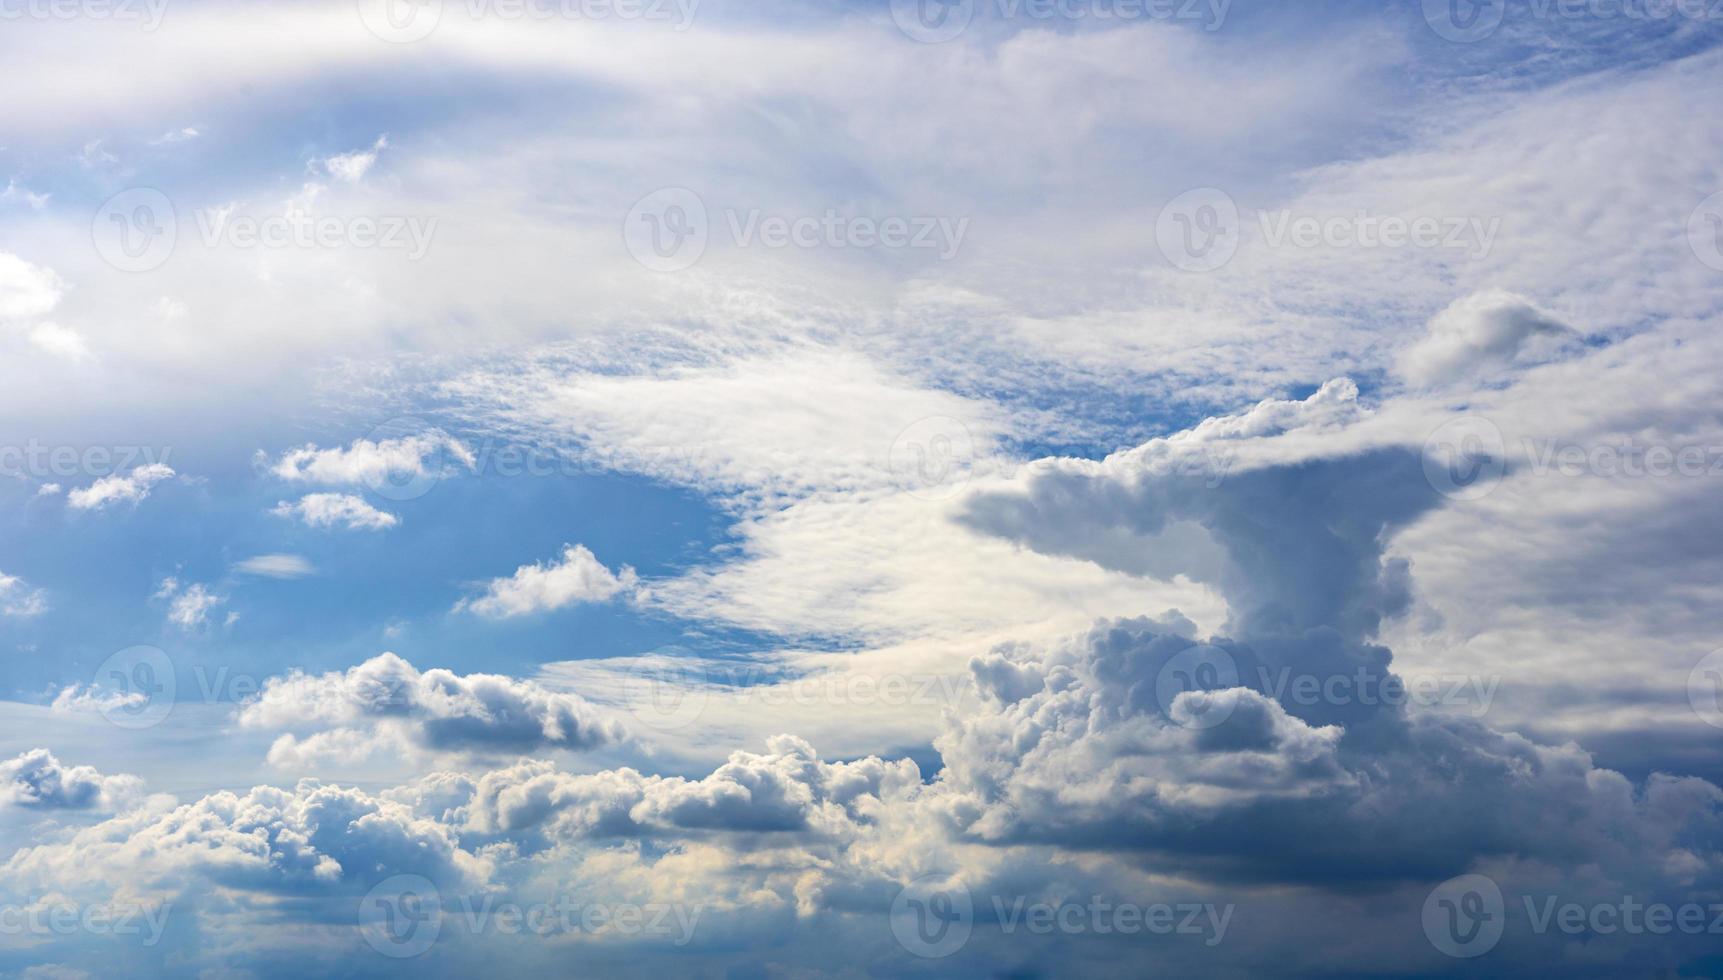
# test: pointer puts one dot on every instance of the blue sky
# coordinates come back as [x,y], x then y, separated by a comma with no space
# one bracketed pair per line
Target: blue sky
[852,489]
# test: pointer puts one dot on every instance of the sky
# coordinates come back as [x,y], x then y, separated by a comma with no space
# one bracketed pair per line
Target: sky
[861,488]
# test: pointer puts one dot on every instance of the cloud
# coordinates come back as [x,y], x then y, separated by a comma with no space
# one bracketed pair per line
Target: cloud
[1485,332]
[577,577]
[308,839]
[188,607]
[352,167]
[18,599]
[37,779]
[435,710]
[59,341]
[26,290]
[374,463]
[276,566]
[131,488]
[337,510]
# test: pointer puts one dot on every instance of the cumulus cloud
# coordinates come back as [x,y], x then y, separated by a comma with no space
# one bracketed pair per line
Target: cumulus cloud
[578,576]
[189,606]
[18,599]
[374,462]
[130,488]
[336,510]
[434,710]
[37,779]
[309,838]
[1485,332]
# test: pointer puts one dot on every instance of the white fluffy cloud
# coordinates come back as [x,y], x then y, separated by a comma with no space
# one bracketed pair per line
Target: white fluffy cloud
[374,462]
[37,779]
[189,605]
[1486,331]
[336,510]
[130,488]
[435,710]
[577,576]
